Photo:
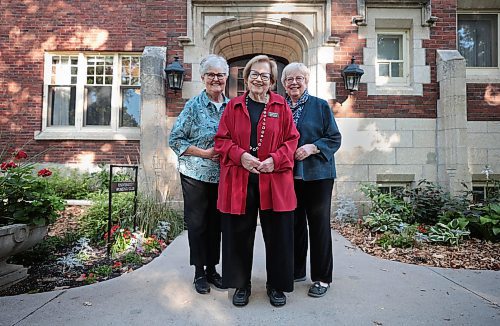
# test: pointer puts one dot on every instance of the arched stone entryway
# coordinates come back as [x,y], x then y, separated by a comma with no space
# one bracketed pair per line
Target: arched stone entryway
[293,32]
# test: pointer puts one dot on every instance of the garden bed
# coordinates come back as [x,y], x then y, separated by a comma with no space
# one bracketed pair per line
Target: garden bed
[470,254]
[45,274]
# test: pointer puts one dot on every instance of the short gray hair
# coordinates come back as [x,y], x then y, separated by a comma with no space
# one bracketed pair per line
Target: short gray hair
[294,67]
[212,61]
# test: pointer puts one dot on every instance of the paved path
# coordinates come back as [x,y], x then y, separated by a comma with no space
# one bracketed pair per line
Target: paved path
[366,291]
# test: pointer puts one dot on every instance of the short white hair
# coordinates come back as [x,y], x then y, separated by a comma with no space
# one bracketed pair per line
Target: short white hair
[212,61]
[294,67]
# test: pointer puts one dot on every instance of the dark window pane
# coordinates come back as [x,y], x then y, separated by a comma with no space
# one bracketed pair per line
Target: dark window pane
[130,114]
[98,105]
[62,105]
[477,39]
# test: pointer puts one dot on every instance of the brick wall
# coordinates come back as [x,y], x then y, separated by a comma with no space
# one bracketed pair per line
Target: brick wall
[442,37]
[483,102]
[29,28]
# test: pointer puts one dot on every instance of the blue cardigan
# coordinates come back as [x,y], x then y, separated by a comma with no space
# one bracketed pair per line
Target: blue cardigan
[317,126]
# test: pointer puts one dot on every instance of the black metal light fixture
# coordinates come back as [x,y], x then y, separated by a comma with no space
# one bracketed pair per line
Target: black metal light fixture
[352,75]
[175,75]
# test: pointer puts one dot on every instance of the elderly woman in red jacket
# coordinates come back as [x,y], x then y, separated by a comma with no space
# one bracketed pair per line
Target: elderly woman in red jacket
[256,141]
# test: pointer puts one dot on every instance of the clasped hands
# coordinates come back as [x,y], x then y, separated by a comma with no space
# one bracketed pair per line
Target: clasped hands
[252,164]
[305,151]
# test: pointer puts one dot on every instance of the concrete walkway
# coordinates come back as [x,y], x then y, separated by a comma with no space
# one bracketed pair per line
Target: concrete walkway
[366,291]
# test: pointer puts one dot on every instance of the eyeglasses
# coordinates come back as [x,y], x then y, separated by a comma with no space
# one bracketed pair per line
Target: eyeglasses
[265,76]
[298,79]
[211,75]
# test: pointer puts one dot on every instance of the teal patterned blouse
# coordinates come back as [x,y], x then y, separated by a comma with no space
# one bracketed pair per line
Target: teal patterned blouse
[197,125]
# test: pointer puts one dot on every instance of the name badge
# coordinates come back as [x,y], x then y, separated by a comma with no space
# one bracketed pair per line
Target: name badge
[273,114]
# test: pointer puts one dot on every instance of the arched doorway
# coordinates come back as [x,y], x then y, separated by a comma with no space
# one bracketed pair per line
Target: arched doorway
[235,85]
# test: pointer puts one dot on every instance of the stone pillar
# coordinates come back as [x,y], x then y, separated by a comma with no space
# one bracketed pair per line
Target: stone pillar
[152,178]
[452,122]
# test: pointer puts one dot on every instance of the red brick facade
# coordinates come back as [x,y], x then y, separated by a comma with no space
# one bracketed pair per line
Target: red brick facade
[28,29]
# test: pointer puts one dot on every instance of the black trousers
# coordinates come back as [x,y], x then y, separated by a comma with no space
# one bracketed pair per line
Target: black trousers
[313,209]
[202,220]
[238,236]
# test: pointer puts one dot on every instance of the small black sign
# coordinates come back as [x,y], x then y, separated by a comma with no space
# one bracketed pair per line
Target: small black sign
[124,186]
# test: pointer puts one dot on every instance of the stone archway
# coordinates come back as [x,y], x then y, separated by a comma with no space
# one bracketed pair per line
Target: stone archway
[294,32]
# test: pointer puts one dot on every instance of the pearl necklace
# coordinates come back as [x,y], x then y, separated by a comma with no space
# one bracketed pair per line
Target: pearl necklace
[263,127]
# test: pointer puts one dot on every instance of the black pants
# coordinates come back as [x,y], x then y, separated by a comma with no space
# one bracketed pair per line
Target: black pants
[238,236]
[202,220]
[313,209]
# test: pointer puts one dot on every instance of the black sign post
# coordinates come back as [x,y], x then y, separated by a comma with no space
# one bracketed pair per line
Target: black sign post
[120,186]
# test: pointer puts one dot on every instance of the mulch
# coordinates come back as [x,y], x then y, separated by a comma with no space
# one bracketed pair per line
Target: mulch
[470,254]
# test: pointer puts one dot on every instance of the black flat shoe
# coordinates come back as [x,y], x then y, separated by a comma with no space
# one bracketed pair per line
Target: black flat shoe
[201,285]
[317,290]
[241,297]
[215,279]
[276,298]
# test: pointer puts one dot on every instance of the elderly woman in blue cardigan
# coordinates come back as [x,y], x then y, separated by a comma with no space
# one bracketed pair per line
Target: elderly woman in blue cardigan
[314,175]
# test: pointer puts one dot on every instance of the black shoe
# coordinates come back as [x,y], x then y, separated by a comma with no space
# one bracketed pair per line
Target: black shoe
[276,298]
[300,279]
[317,290]
[215,279]
[240,296]
[201,285]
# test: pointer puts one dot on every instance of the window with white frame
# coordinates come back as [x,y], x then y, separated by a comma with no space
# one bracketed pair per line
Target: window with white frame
[392,63]
[87,93]
[392,188]
[477,37]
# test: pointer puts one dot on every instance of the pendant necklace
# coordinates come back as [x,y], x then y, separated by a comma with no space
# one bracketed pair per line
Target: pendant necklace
[263,127]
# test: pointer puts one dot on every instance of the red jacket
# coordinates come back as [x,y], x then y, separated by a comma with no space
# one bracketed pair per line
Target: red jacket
[280,142]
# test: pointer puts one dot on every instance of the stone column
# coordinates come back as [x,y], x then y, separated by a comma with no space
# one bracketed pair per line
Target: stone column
[152,177]
[452,122]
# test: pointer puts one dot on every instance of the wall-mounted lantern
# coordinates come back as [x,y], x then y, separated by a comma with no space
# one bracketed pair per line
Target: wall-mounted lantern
[175,75]
[352,75]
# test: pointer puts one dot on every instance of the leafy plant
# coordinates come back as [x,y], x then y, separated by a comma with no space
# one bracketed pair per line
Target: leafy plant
[427,201]
[132,258]
[382,222]
[94,222]
[102,270]
[72,184]
[25,196]
[451,233]
[386,203]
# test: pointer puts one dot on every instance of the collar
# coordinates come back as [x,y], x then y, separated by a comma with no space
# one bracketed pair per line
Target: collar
[273,98]
[206,100]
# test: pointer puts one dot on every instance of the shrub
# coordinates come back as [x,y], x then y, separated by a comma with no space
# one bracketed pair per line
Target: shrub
[382,222]
[25,196]
[72,185]
[94,221]
[427,201]
[386,203]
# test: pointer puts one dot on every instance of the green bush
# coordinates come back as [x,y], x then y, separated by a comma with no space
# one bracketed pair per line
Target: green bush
[150,213]
[405,239]
[428,201]
[94,222]
[382,222]
[71,185]
[386,203]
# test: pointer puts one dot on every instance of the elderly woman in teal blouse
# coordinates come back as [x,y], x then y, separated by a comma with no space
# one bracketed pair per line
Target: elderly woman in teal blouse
[192,139]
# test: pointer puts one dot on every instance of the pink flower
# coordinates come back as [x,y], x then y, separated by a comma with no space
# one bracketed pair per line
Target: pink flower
[44,173]
[19,155]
